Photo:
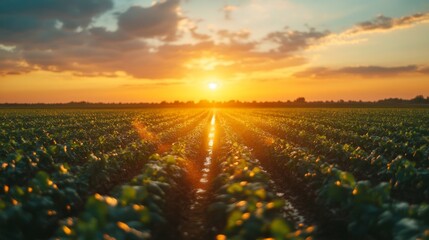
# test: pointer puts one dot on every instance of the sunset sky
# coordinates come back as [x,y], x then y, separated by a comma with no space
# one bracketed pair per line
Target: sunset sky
[149,51]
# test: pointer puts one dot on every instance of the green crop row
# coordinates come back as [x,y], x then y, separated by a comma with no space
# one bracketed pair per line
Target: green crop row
[76,166]
[137,210]
[244,207]
[367,210]
[390,133]
[408,181]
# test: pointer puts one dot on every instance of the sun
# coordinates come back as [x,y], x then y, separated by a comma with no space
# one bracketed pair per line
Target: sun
[213,86]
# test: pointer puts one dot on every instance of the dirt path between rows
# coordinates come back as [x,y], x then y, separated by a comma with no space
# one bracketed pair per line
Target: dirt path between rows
[194,223]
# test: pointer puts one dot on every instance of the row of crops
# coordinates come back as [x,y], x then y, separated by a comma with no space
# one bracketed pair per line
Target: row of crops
[214,174]
[53,161]
[245,205]
[140,208]
[364,184]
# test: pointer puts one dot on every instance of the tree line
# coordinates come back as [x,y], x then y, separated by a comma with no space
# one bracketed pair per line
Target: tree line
[418,101]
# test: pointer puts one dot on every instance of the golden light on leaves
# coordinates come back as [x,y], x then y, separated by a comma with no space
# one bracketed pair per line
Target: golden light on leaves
[63,169]
[241,204]
[144,132]
[220,237]
[67,230]
[245,216]
[123,226]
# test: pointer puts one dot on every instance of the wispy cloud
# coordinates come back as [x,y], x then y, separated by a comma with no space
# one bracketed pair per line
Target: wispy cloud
[383,23]
[379,24]
[362,71]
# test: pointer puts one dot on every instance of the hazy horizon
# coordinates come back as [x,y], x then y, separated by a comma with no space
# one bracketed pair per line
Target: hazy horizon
[216,101]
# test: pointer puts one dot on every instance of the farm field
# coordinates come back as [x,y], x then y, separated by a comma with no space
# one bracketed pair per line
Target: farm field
[220,174]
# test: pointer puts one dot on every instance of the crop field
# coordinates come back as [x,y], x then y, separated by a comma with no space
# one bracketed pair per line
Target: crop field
[214,174]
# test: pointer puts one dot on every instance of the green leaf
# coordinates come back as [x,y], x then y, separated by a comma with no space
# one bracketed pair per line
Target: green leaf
[170,159]
[347,178]
[232,219]
[279,228]
[406,228]
[41,180]
[235,188]
[128,195]
[260,193]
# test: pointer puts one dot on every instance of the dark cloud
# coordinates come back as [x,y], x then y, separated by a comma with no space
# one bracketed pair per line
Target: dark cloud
[362,71]
[289,41]
[382,22]
[72,14]
[11,63]
[42,44]
[47,24]
[159,20]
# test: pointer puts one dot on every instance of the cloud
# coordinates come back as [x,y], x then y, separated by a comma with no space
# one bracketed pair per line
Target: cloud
[234,36]
[198,36]
[63,23]
[362,71]
[383,23]
[61,38]
[289,41]
[30,13]
[227,11]
[159,20]
[378,70]
[47,24]
[12,64]
[95,51]
[92,51]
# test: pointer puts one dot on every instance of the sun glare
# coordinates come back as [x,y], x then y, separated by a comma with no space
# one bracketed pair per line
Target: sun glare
[213,86]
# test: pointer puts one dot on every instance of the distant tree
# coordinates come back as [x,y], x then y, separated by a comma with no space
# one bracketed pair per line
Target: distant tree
[204,103]
[300,100]
[418,99]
